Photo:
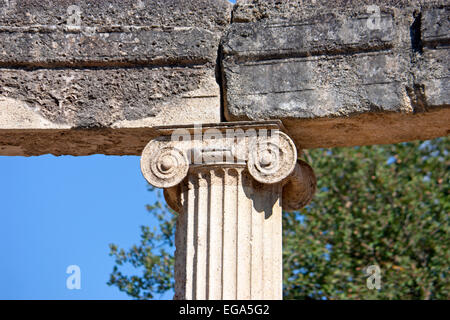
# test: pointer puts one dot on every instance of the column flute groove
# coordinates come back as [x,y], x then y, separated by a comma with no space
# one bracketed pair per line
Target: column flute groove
[228,194]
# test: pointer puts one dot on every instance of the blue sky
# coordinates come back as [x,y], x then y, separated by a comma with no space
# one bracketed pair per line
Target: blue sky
[61,211]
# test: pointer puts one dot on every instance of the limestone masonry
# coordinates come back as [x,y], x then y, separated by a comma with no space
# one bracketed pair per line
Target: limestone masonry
[99,77]
[220,101]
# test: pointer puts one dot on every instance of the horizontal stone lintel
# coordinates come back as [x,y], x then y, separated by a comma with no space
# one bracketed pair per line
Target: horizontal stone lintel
[52,46]
[333,76]
[213,13]
[369,128]
[330,34]
[107,97]
[308,73]
[132,65]
[75,142]
[364,129]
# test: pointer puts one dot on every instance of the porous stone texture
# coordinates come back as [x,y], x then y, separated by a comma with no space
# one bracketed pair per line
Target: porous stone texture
[105,65]
[337,75]
[85,77]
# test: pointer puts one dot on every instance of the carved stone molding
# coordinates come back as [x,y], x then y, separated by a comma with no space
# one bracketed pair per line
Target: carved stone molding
[268,153]
[228,182]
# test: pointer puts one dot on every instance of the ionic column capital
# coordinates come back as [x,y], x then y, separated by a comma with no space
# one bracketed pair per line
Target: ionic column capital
[229,182]
[262,148]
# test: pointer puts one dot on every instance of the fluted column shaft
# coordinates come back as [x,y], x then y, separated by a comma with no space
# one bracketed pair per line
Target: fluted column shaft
[228,183]
[228,236]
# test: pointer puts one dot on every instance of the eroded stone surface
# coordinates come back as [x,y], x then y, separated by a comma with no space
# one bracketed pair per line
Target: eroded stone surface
[106,64]
[77,142]
[124,67]
[336,76]
[112,97]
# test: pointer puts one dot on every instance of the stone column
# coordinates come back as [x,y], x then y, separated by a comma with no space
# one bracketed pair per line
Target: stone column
[229,183]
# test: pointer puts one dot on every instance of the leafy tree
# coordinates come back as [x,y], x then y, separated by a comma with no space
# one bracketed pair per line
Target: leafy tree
[375,205]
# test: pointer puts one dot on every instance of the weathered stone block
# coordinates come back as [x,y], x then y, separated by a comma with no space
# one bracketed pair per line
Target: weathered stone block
[436,26]
[106,65]
[91,77]
[432,67]
[337,74]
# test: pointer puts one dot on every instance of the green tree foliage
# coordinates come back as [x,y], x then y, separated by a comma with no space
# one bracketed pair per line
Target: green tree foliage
[378,205]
